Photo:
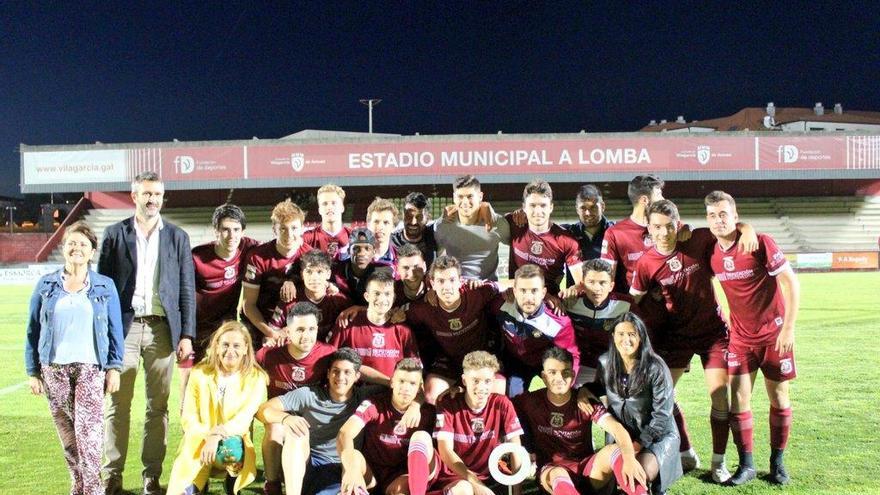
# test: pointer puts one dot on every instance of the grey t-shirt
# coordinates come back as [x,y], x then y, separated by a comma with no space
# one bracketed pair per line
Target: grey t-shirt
[475,249]
[324,415]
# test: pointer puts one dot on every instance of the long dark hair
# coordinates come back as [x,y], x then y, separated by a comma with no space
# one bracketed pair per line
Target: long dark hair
[615,376]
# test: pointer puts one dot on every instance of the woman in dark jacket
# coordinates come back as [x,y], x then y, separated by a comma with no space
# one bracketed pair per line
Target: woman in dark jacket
[74,352]
[639,392]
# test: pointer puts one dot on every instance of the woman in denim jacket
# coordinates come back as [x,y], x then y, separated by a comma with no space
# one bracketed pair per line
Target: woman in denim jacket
[74,353]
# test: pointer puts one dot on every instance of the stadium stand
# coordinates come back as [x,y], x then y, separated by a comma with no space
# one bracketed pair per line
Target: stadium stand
[798,224]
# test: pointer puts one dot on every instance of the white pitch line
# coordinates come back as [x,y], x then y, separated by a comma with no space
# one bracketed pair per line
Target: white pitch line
[12,388]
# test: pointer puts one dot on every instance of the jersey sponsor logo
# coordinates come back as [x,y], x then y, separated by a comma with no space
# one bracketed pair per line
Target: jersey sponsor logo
[786,366]
[556,420]
[378,340]
[399,428]
[674,264]
[477,425]
[778,321]
[251,272]
[299,373]
[728,263]
[536,248]
[455,324]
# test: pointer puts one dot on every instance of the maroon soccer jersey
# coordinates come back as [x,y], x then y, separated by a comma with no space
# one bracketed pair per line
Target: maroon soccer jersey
[559,434]
[552,251]
[267,270]
[460,331]
[330,307]
[527,337]
[757,308]
[381,347]
[218,284]
[624,243]
[685,280]
[593,324]
[474,434]
[386,440]
[332,244]
[287,373]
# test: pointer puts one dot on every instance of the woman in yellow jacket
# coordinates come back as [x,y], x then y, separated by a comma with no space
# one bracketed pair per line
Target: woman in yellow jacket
[223,393]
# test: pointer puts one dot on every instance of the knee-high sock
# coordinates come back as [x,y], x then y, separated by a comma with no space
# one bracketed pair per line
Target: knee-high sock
[678,416]
[780,427]
[617,467]
[741,427]
[563,486]
[417,467]
[720,425]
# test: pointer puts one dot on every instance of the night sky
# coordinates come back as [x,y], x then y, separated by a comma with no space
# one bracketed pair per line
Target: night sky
[78,73]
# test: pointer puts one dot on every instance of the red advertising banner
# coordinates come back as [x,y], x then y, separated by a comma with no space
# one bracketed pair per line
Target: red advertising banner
[421,156]
[854,261]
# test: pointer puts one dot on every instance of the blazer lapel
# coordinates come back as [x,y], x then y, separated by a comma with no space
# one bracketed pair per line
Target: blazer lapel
[131,241]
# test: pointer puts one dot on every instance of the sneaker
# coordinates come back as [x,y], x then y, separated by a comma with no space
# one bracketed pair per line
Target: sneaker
[778,475]
[272,487]
[689,460]
[151,486]
[112,486]
[720,474]
[743,475]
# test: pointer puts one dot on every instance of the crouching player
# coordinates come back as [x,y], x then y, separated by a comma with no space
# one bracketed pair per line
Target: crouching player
[386,436]
[559,433]
[469,426]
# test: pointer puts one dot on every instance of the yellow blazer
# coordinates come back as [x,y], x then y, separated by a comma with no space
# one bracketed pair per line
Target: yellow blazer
[202,411]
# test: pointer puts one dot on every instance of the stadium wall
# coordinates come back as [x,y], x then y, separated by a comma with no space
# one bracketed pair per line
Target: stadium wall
[20,248]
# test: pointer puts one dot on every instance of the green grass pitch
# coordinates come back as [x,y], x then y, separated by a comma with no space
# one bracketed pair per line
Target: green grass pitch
[833,448]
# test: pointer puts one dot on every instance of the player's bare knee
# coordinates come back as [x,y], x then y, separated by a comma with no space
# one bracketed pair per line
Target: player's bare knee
[461,488]
[276,433]
[778,394]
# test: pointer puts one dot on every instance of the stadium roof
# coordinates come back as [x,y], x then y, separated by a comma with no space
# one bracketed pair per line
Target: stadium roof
[322,134]
[752,119]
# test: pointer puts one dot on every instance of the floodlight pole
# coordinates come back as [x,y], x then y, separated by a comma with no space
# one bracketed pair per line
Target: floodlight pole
[370,102]
[10,209]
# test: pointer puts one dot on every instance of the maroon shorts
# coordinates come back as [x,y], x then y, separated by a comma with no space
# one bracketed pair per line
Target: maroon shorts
[578,471]
[743,359]
[678,352]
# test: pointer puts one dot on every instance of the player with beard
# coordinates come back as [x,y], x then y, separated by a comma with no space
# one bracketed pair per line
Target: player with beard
[303,361]
[385,436]
[411,285]
[267,267]
[315,271]
[457,324]
[593,312]
[469,426]
[218,273]
[331,236]
[559,433]
[528,328]
[763,294]
[542,242]
[416,228]
[680,270]
[379,341]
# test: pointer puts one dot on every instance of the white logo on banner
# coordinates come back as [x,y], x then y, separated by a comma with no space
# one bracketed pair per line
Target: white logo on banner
[788,153]
[297,161]
[704,153]
[184,164]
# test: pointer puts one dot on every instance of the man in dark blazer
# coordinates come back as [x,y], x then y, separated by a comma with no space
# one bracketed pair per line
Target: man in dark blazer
[151,264]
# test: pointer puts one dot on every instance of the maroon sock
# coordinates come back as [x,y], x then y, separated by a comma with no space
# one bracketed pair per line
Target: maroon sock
[617,467]
[417,467]
[678,416]
[563,486]
[741,427]
[720,425]
[780,427]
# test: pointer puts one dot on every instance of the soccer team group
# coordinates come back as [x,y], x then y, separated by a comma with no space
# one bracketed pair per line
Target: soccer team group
[397,361]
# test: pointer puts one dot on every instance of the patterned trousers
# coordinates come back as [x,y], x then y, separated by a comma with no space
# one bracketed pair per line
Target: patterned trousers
[76,401]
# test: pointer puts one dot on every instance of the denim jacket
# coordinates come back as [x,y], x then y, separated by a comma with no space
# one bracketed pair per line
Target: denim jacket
[107,321]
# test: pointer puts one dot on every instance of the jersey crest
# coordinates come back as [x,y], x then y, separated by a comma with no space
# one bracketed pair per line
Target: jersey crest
[728,263]
[378,340]
[477,425]
[556,420]
[537,248]
[455,324]
[299,373]
[229,272]
[399,429]
[674,264]
[332,248]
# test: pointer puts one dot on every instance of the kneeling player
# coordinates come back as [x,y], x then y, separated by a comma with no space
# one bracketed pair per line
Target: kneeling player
[386,437]
[469,426]
[561,439]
